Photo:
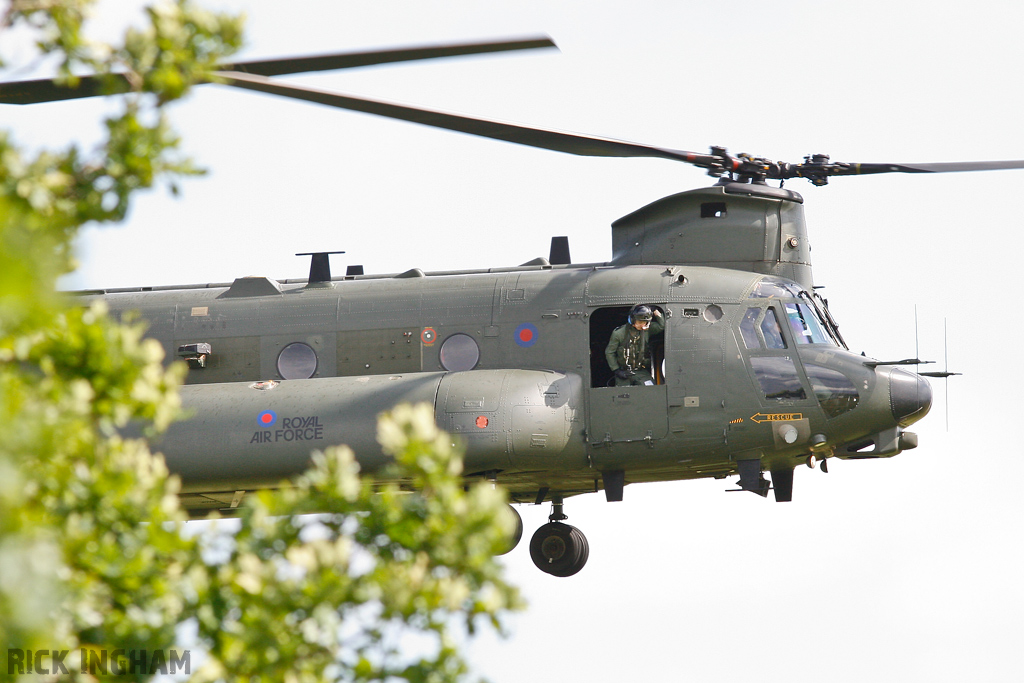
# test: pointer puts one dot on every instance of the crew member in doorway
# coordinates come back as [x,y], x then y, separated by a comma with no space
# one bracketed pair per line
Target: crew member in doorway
[627,350]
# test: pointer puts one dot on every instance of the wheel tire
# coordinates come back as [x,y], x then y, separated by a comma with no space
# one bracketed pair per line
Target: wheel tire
[584,554]
[517,533]
[559,549]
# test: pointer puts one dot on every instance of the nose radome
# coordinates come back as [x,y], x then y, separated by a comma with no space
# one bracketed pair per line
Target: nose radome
[910,396]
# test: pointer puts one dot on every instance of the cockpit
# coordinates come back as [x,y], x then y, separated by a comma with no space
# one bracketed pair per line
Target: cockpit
[805,314]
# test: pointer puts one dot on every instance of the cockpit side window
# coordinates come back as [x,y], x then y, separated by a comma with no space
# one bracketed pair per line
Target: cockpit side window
[771,330]
[778,378]
[748,328]
[833,389]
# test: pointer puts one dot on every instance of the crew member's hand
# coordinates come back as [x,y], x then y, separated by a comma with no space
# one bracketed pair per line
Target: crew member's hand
[622,373]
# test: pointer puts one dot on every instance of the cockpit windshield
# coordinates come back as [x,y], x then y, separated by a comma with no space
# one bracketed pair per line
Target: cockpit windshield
[773,287]
[808,315]
[805,326]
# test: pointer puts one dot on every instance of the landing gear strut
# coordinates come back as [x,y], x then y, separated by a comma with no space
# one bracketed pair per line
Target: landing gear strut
[556,548]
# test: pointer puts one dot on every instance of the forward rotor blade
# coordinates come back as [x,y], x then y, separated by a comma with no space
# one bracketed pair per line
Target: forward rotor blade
[953,166]
[558,141]
[844,169]
[47,90]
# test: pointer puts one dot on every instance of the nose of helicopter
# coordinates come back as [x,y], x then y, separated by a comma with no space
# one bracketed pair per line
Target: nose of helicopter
[910,396]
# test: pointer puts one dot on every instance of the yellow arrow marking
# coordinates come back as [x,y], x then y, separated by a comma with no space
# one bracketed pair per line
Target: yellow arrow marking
[776,417]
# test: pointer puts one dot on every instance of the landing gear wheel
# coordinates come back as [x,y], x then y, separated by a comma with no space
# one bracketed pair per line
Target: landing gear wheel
[517,529]
[559,549]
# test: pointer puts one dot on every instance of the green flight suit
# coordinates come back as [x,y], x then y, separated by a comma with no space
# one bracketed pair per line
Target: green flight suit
[627,348]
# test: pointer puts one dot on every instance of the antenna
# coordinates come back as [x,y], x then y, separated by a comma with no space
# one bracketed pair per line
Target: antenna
[945,374]
[559,253]
[945,367]
[319,266]
[917,351]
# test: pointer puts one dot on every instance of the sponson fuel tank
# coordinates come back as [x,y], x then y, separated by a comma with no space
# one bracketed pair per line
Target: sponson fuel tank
[263,432]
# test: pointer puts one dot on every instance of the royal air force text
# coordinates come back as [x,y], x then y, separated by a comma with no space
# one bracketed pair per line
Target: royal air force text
[307,428]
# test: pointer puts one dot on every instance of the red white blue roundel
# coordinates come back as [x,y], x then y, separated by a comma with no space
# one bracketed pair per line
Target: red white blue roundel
[266,419]
[526,335]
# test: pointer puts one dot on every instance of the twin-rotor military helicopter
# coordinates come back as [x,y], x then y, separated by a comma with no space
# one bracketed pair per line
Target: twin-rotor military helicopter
[751,374]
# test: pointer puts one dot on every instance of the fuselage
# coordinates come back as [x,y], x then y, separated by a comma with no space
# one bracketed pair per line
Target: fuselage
[513,362]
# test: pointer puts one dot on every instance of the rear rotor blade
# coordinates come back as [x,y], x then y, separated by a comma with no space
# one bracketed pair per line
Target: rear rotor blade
[348,60]
[559,141]
[47,90]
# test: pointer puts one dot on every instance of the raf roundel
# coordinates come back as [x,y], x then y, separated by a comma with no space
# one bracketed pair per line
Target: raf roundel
[266,419]
[526,335]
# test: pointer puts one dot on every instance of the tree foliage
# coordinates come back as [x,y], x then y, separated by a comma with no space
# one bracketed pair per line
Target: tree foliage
[92,554]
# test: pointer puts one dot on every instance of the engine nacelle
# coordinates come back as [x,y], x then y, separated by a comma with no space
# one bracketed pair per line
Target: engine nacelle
[516,419]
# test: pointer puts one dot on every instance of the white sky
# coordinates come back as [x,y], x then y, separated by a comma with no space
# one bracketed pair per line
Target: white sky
[900,570]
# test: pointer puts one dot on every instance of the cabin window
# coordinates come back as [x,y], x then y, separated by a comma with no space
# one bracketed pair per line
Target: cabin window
[459,352]
[713,313]
[834,390]
[778,378]
[297,361]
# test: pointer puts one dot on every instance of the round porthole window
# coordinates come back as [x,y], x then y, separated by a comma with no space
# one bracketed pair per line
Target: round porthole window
[459,352]
[297,361]
[713,313]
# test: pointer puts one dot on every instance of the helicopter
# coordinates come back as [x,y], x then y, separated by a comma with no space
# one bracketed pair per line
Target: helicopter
[750,375]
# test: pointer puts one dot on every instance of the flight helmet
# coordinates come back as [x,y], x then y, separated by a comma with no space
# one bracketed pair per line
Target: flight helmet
[640,312]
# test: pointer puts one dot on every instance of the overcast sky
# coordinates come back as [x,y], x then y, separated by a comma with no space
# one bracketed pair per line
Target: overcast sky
[906,569]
